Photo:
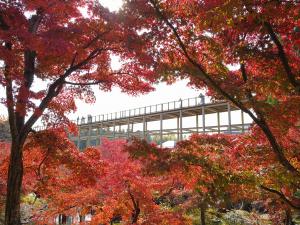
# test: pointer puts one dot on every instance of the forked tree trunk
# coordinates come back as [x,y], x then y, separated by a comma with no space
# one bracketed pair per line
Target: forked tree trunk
[14,183]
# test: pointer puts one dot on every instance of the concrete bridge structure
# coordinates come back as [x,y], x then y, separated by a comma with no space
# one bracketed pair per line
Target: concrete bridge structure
[165,121]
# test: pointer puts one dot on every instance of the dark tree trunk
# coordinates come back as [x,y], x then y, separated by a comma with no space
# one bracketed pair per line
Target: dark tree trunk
[288,218]
[202,214]
[14,183]
[135,215]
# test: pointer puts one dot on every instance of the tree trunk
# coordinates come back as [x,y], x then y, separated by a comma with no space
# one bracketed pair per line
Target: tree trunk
[14,183]
[135,215]
[288,218]
[202,214]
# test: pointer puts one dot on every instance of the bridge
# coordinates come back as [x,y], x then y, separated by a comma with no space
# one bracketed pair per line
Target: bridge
[174,120]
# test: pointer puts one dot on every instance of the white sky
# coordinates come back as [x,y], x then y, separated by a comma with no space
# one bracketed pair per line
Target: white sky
[112,5]
[114,101]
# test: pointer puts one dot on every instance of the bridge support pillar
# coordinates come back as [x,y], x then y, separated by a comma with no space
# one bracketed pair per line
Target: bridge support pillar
[203,119]
[218,120]
[144,127]
[180,126]
[197,123]
[78,140]
[132,126]
[88,141]
[229,118]
[242,118]
[177,127]
[114,129]
[100,133]
[160,129]
[128,128]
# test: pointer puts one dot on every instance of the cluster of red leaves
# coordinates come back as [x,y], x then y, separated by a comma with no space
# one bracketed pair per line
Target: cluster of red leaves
[104,180]
[200,165]
[54,168]
[124,187]
[221,170]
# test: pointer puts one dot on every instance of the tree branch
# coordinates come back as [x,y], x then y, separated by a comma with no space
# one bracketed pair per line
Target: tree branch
[84,84]
[10,98]
[283,58]
[95,82]
[39,172]
[96,38]
[9,87]
[281,195]
[28,75]
[55,88]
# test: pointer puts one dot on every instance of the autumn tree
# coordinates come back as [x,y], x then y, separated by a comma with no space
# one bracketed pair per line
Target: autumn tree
[124,191]
[54,171]
[203,169]
[276,188]
[51,52]
[246,52]
[105,181]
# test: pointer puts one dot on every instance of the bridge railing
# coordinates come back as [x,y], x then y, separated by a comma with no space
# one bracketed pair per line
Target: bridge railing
[146,110]
[150,109]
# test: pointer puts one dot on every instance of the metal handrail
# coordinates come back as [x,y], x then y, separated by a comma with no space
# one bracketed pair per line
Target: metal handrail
[146,110]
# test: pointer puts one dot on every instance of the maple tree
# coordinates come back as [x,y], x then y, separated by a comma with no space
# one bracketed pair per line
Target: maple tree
[131,192]
[66,47]
[202,168]
[277,188]
[103,180]
[51,52]
[221,170]
[258,41]
[124,191]
[53,168]
[246,52]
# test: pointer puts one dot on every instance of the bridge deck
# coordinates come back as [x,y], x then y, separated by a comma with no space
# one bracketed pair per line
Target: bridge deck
[122,124]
